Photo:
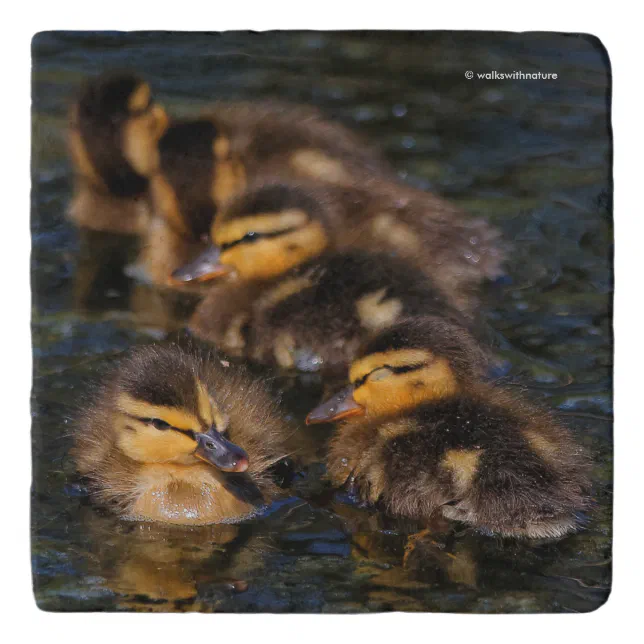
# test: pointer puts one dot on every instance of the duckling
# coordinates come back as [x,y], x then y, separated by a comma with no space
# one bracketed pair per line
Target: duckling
[206,161]
[425,434]
[158,441]
[113,134]
[274,226]
[315,316]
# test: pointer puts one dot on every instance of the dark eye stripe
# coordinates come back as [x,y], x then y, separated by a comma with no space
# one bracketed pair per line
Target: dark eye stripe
[252,236]
[161,425]
[402,369]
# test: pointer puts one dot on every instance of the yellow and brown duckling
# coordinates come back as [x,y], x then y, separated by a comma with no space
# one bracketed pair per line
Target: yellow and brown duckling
[206,161]
[315,316]
[275,226]
[424,435]
[113,134]
[176,437]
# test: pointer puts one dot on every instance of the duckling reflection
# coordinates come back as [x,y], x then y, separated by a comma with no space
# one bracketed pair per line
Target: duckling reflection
[114,129]
[399,557]
[183,199]
[102,288]
[159,568]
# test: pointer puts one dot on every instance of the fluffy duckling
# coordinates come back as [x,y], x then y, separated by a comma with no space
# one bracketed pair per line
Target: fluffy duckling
[274,226]
[427,436]
[315,317]
[159,440]
[206,161]
[113,134]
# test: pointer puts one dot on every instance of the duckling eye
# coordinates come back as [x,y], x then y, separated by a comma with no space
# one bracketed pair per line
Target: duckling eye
[373,376]
[157,423]
[380,374]
[253,236]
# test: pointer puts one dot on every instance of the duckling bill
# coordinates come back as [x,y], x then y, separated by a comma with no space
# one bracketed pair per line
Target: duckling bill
[423,434]
[171,436]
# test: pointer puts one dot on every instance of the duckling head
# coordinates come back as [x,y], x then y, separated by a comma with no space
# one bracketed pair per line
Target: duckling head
[414,362]
[163,412]
[260,236]
[114,132]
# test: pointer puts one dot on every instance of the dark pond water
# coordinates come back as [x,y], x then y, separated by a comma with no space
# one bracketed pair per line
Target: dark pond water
[531,155]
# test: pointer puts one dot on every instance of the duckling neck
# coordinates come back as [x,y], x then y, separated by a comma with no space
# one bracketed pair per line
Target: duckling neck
[94,207]
[185,495]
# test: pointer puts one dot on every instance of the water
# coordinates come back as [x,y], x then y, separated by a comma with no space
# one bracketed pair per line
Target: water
[532,156]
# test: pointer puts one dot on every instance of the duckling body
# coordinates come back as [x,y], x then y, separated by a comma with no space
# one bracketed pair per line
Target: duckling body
[426,436]
[271,138]
[152,441]
[114,128]
[315,317]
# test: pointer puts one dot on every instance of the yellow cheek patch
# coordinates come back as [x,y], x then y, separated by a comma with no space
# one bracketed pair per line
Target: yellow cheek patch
[463,465]
[403,391]
[376,313]
[178,418]
[404,357]
[140,98]
[316,164]
[268,258]
[150,445]
[232,231]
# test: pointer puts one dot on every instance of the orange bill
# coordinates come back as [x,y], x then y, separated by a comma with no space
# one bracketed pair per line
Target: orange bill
[338,407]
[204,268]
